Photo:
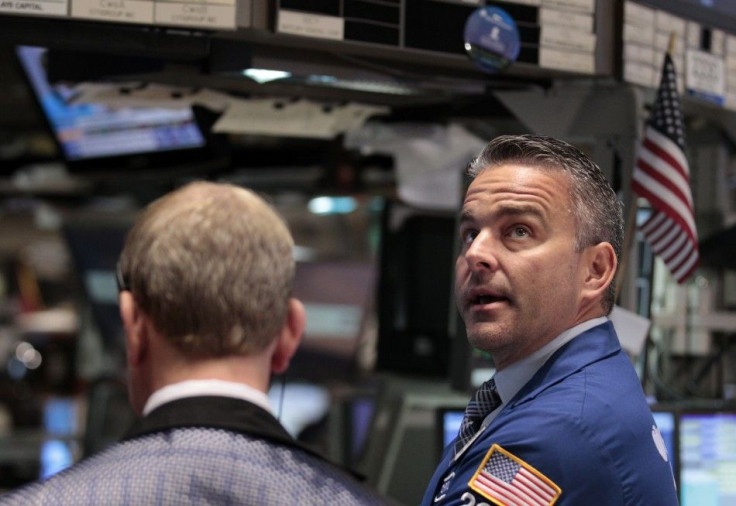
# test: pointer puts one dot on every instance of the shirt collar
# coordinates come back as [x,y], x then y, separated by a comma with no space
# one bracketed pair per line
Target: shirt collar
[510,380]
[197,388]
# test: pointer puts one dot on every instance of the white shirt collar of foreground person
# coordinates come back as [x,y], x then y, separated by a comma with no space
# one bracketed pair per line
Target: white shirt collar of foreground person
[198,388]
[510,380]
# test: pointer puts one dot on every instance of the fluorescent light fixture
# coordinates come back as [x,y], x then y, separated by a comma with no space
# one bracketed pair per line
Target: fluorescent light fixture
[332,205]
[264,75]
[365,85]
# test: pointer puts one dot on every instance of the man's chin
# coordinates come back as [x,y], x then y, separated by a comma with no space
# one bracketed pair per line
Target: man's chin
[486,335]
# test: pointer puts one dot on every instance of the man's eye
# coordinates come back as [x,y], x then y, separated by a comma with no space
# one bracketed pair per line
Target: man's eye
[468,236]
[520,231]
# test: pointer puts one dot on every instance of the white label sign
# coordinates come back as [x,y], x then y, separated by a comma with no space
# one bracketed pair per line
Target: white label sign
[704,76]
[35,7]
[310,25]
[206,15]
[123,11]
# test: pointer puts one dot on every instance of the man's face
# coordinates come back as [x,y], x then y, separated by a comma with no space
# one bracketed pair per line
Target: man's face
[518,277]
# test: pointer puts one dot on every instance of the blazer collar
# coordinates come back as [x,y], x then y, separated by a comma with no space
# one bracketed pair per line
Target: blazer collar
[215,412]
[593,345]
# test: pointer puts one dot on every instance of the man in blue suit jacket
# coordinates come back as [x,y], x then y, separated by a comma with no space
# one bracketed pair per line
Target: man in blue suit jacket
[564,419]
[205,296]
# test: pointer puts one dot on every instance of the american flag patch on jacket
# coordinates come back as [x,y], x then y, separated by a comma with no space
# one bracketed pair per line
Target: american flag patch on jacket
[509,481]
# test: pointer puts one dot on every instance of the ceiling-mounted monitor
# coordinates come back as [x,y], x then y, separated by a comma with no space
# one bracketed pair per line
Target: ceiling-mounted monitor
[98,137]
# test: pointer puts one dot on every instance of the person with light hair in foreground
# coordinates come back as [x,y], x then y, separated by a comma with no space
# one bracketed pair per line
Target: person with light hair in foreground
[205,282]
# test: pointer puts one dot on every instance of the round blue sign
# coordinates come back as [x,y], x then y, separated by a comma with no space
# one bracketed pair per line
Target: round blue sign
[491,38]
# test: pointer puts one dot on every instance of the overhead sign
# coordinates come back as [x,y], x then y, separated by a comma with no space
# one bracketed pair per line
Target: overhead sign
[705,76]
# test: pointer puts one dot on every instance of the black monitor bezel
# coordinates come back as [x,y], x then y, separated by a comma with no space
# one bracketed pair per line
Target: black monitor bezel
[176,161]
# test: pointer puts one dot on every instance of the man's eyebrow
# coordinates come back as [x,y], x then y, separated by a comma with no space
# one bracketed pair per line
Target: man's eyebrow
[466,216]
[519,209]
[507,210]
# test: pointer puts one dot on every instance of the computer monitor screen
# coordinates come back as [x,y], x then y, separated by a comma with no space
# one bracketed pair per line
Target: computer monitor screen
[337,297]
[61,424]
[95,243]
[414,290]
[104,135]
[448,425]
[361,417]
[666,420]
[707,458]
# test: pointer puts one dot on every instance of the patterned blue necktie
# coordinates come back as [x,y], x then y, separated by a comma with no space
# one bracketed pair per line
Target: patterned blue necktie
[486,399]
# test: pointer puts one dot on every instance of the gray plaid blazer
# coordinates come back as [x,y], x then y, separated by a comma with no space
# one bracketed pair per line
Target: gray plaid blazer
[202,450]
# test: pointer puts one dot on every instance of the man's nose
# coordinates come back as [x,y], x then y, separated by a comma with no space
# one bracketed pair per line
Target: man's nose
[481,254]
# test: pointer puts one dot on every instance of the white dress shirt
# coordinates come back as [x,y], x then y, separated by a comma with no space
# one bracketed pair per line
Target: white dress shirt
[198,388]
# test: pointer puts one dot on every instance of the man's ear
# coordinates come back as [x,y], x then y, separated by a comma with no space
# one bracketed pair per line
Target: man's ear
[134,323]
[601,268]
[289,337]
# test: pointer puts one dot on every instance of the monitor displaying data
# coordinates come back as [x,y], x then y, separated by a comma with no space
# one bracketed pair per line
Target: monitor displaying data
[707,442]
[448,424]
[666,420]
[97,131]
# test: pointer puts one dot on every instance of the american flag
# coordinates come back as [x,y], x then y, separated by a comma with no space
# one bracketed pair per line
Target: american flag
[662,176]
[509,481]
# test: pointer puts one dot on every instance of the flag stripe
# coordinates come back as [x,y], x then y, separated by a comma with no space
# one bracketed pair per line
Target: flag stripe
[663,199]
[662,243]
[675,249]
[533,498]
[509,492]
[678,251]
[540,488]
[687,269]
[497,488]
[654,226]
[665,175]
[682,257]
[669,151]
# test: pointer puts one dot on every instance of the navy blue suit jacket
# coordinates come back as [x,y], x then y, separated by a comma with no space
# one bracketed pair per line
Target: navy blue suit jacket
[582,422]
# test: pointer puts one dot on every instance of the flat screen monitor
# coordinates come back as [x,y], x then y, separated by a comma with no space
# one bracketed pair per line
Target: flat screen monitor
[707,441]
[414,290]
[666,419]
[337,297]
[448,425]
[61,423]
[96,136]
[95,243]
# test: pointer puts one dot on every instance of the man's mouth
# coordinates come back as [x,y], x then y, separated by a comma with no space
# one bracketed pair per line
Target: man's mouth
[487,299]
[481,299]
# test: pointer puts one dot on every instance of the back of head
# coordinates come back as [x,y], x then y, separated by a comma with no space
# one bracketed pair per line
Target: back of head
[212,266]
[598,211]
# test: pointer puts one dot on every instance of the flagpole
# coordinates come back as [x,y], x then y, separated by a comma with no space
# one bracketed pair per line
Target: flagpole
[632,207]
[671,44]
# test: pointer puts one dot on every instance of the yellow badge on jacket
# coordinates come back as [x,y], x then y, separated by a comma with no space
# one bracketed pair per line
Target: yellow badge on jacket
[507,480]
